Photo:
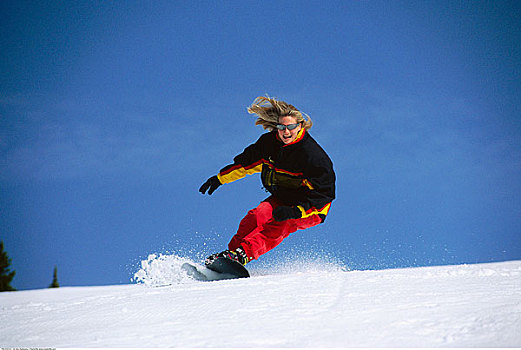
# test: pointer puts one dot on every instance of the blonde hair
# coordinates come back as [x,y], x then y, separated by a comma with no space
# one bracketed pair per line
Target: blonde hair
[269,110]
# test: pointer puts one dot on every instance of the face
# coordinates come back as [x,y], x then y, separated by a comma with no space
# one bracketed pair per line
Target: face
[286,135]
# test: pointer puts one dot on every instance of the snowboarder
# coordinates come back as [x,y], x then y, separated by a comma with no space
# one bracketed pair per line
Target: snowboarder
[294,169]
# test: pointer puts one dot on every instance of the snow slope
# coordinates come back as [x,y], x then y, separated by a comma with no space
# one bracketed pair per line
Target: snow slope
[313,306]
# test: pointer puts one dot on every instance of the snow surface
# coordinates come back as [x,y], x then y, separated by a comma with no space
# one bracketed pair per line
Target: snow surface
[296,306]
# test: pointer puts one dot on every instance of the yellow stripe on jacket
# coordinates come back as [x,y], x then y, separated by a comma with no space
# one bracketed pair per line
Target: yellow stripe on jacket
[238,172]
[314,211]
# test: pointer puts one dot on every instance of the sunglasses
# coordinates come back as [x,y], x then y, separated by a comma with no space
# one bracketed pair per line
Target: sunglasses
[289,126]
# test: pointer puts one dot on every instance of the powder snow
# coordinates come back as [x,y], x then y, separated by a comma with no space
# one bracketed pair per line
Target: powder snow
[317,305]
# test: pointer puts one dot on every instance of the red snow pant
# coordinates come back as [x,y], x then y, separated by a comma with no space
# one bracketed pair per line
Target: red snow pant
[258,232]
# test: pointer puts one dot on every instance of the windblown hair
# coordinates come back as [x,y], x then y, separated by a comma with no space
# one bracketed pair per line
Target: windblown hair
[269,110]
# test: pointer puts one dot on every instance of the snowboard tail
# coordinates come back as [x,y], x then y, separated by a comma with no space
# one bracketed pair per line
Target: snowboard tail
[193,272]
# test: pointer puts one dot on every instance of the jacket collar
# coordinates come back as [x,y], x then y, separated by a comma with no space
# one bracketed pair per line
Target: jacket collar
[300,137]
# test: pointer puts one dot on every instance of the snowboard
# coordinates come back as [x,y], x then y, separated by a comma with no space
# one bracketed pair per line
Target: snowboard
[220,269]
[228,266]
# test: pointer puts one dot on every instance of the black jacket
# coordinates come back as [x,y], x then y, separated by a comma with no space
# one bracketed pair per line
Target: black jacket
[297,174]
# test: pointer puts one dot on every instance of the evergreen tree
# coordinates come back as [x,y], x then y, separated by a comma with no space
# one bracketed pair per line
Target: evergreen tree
[6,276]
[55,283]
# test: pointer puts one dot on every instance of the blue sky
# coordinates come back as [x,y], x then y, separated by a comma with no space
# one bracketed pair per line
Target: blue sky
[112,114]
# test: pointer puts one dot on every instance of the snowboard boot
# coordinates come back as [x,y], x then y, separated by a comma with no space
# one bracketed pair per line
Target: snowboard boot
[238,255]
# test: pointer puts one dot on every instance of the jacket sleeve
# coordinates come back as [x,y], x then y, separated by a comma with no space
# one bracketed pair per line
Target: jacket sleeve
[320,188]
[247,163]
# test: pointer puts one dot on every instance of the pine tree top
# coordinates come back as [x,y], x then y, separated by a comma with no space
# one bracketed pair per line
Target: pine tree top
[6,276]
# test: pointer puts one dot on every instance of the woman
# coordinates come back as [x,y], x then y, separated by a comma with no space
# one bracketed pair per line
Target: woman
[294,169]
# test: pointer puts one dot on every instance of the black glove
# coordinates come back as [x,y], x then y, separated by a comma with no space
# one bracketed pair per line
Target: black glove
[211,185]
[285,213]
